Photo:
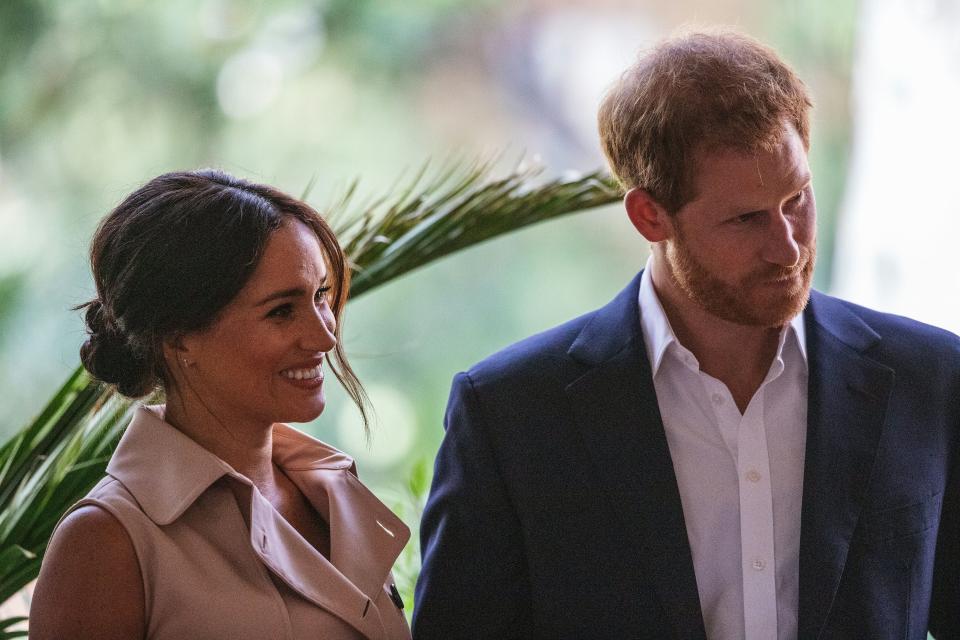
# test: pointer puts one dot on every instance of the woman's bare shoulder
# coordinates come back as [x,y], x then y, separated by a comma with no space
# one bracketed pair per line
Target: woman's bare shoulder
[90,584]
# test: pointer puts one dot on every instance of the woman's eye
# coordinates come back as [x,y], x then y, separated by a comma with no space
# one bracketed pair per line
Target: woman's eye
[282,311]
[321,294]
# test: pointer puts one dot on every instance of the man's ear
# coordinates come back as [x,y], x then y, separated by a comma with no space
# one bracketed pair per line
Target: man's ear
[647,215]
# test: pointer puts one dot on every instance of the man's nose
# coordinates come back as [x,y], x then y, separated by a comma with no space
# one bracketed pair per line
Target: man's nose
[781,247]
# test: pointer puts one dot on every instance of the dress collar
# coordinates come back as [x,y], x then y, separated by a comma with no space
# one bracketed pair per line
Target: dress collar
[166,471]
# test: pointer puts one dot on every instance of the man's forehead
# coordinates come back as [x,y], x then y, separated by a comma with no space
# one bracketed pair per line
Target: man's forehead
[772,141]
[738,168]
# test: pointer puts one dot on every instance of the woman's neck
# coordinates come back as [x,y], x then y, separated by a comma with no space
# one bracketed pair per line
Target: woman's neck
[245,447]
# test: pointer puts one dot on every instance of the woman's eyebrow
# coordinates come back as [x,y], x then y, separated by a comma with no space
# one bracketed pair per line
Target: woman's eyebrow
[277,295]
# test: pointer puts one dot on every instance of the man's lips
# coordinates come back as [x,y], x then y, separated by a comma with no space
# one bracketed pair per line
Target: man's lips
[782,277]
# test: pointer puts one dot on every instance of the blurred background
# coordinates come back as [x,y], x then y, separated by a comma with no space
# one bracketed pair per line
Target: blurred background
[98,96]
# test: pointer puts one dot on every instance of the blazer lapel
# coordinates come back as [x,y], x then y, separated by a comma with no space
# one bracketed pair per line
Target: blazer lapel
[847,400]
[615,406]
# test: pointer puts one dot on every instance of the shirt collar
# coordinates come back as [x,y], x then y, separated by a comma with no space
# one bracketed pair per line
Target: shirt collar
[166,471]
[658,334]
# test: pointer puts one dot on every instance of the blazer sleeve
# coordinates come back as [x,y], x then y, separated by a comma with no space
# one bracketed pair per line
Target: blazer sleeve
[473,582]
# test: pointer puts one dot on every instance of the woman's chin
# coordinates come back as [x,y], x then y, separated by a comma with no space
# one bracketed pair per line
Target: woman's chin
[304,411]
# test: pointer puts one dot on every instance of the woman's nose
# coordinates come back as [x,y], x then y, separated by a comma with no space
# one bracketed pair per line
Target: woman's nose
[320,334]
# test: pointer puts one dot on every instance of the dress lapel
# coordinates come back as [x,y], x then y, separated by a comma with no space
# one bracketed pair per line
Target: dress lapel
[847,400]
[615,406]
[305,571]
[365,536]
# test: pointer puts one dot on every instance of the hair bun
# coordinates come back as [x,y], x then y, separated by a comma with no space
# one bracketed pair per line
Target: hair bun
[109,356]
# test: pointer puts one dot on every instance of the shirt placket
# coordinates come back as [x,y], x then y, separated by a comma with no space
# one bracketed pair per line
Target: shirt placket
[756,525]
[746,441]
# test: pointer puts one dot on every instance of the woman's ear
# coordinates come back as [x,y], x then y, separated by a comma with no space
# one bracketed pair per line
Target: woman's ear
[647,215]
[177,352]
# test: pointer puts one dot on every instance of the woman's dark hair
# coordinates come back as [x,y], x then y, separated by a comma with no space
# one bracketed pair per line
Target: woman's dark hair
[172,255]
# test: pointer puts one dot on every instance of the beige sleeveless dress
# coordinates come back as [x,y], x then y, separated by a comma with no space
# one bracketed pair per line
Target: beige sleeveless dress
[206,576]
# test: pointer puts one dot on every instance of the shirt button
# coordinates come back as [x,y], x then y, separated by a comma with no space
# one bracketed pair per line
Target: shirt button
[717,398]
[758,564]
[753,475]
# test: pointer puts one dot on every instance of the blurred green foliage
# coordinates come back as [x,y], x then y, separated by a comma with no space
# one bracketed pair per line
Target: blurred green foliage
[98,96]
[392,36]
[56,459]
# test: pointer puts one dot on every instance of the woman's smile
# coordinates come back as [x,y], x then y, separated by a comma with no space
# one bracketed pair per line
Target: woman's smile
[305,378]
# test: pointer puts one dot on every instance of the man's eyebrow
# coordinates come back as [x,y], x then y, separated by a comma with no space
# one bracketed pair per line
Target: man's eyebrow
[277,295]
[805,178]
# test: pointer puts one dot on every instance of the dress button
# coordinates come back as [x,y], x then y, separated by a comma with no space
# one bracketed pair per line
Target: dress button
[753,475]
[758,564]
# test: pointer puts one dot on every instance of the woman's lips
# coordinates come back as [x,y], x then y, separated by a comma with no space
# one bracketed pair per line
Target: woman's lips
[304,377]
[305,383]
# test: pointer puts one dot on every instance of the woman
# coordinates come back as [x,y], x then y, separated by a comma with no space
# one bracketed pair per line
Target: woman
[215,520]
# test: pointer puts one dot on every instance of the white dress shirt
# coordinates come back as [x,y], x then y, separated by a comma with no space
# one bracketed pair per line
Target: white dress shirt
[740,477]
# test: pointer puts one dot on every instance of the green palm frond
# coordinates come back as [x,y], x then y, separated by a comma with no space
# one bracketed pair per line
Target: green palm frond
[7,628]
[56,459]
[458,208]
[49,465]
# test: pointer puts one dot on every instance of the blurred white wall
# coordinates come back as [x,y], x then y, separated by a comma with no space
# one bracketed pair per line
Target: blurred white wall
[899,234]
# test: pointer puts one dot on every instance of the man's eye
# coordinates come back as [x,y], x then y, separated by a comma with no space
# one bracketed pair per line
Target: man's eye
[747,218]
[797,199]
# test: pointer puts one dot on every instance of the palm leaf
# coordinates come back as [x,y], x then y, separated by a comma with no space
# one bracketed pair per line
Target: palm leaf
[459,208]
[7,631]
[57,458]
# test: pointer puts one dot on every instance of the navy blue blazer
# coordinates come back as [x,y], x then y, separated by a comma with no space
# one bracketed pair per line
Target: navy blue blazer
[555,513]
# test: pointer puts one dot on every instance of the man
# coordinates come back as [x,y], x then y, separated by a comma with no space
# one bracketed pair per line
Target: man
[719,452]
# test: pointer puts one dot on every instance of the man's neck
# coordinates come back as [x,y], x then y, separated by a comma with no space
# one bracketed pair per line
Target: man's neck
[737,355]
